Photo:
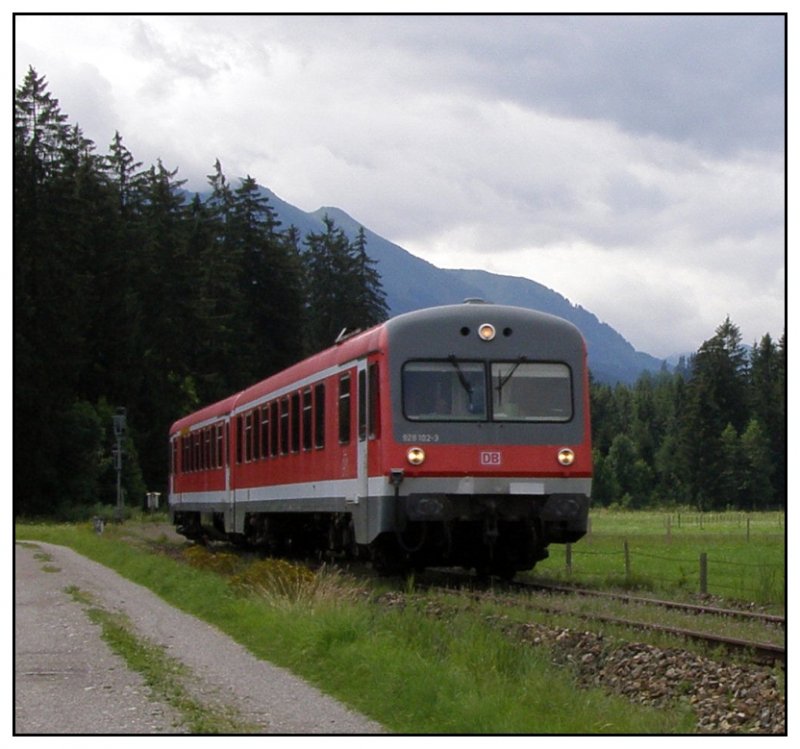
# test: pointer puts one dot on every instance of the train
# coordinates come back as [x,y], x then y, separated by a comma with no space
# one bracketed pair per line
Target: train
[454,436]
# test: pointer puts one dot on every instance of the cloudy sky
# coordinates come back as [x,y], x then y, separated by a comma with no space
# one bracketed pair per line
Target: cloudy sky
[635,164]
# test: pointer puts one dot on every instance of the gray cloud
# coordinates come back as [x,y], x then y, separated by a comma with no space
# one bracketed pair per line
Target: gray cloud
[633,163]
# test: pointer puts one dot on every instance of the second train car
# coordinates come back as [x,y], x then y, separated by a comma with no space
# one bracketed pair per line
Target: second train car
[451,436]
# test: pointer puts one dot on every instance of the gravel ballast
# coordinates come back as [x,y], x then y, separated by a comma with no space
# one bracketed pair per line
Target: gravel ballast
[68,681]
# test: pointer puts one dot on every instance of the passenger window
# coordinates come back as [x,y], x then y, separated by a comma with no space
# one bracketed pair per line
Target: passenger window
[220,446]
[319,415]
[285,426]
[344,409]
[264,431]
[274,428]
[307,420]
[295,401]
[248,436]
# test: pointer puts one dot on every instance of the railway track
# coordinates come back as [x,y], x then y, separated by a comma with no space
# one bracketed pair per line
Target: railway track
[761,651]
[676,605]
[448,580]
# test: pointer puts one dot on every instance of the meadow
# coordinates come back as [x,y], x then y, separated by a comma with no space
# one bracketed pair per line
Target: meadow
[732,555]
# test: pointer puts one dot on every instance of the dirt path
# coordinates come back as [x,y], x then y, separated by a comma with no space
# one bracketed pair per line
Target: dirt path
[67,680]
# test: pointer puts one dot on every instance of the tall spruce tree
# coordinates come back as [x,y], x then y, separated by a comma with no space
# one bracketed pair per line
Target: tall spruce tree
[343,288]
[271,313]
[716,397]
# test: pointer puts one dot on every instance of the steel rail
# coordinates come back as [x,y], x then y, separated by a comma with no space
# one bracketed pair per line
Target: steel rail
[678,605]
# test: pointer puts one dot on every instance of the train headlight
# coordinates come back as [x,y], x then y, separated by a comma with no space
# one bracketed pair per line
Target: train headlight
[486,331]
[415,456]
[566,457]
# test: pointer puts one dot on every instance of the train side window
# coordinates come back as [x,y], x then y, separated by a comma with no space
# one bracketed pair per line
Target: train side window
[264,430]
[344,409]
[207,445]
[256,434]
[307,420]
[239,434]
[319,415]
[248,436]
[274,429]
[295,405]
[284,426]
[220,446]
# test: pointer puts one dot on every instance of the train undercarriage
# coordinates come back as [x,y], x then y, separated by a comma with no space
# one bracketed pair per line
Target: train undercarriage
[489,542]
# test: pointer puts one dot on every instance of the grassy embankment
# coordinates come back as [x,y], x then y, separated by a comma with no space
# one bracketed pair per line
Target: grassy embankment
[415,668]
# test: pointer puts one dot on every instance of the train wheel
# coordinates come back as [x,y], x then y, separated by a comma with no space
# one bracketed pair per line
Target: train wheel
[387,557]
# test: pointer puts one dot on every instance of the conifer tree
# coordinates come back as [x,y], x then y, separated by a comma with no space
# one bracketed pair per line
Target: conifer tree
[716,397]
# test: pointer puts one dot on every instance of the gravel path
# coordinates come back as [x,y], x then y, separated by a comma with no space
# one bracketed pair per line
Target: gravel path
[68,681]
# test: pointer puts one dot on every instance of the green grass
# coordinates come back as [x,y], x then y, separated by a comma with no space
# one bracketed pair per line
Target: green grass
[663,553]
[411,670]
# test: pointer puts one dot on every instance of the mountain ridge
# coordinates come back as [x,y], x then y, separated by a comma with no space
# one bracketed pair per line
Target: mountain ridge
[411,282]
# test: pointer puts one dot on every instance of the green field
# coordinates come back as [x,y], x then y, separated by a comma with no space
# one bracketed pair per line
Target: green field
[745,554]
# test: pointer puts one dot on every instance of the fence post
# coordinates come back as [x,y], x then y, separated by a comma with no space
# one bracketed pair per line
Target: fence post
[748,529]
[569,560]
[703,572]
[627,559]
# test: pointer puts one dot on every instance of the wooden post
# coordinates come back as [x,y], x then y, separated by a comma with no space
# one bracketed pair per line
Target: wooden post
[703,573]
[627,560]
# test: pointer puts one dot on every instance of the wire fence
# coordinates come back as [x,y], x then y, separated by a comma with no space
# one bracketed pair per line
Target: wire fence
[754,571]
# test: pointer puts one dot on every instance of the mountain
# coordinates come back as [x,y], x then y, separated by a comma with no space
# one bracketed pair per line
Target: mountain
[412,283]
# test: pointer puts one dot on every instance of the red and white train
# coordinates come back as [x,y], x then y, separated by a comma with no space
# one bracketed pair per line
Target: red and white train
[451,436]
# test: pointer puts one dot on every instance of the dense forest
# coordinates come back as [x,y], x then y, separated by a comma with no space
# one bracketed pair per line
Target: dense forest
[129,291]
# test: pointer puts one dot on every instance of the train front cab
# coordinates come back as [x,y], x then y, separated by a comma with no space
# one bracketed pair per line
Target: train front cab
[488,459]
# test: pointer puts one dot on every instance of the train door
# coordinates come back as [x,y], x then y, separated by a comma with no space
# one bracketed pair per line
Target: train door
[362,456]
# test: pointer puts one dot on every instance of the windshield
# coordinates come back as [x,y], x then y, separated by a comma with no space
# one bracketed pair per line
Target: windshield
[455,390]
[531,391]
[449,390]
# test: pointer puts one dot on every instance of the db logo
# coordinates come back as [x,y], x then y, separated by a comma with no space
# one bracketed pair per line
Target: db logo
[491,458]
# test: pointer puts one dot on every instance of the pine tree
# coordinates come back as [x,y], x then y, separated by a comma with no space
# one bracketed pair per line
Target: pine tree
[328,289]
[768,398]
[271,285]
[343,287]
[758,461]
[369,302]
[716,397]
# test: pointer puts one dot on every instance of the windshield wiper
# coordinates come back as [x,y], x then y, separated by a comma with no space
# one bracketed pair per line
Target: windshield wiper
[462,378]
[501,381]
